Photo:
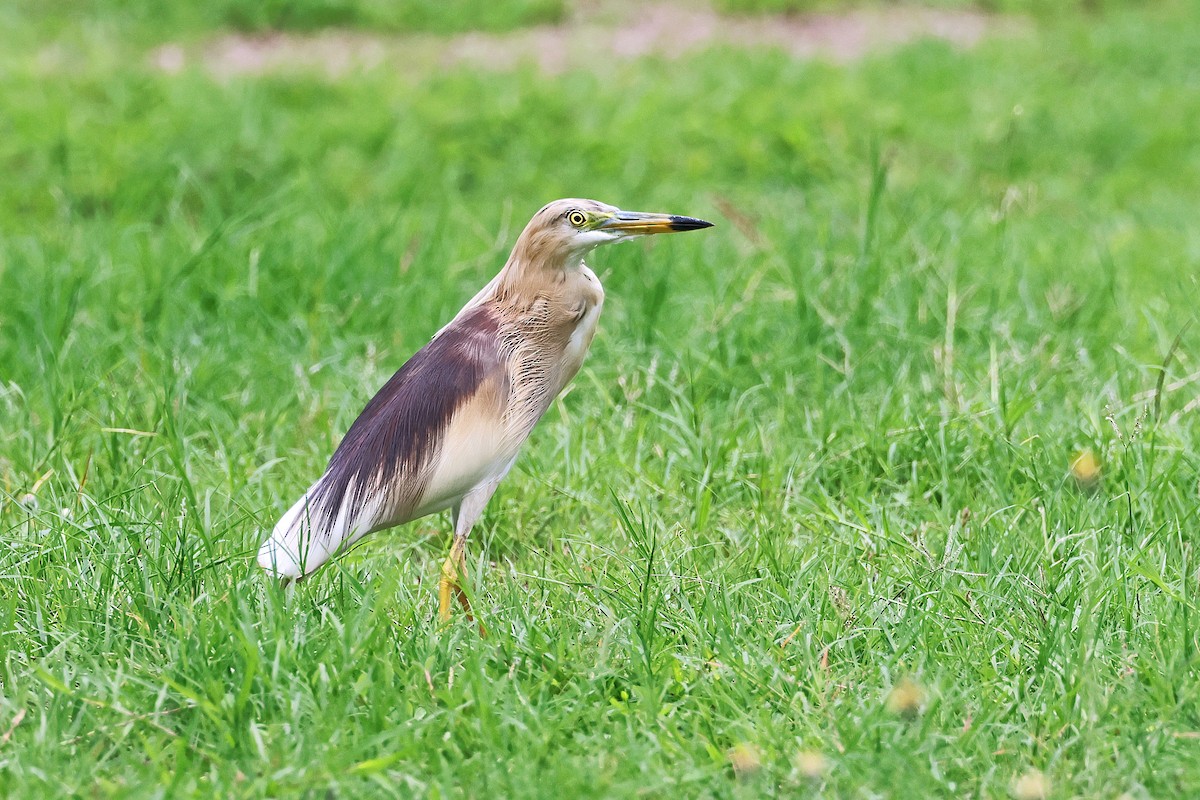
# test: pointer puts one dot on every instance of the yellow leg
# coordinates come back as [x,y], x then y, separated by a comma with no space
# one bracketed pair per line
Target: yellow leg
[452,569]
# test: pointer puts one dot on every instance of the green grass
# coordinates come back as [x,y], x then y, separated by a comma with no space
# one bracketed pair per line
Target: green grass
[133,18]
[815,451]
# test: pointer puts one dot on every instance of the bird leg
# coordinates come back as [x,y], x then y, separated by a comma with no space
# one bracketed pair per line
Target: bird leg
[466,513]
[454,567]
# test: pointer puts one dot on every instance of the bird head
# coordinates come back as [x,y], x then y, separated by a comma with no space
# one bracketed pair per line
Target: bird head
[564,231]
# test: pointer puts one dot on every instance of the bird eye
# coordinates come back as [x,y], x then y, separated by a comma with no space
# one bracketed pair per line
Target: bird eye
[576,218]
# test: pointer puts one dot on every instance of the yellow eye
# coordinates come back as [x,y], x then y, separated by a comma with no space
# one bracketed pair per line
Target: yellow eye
[576,218]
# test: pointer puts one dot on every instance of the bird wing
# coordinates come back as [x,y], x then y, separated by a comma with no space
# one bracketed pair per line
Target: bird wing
[433,432]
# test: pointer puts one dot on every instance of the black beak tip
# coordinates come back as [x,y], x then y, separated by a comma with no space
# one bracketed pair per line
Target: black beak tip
[688,224]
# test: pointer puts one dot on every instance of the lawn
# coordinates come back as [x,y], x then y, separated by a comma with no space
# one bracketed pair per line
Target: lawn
[886,486]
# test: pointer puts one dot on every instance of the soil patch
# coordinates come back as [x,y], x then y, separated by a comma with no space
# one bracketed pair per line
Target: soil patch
[593,36]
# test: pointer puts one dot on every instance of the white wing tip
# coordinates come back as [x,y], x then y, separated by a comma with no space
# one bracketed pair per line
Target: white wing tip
[276,560]
[290,552]
[306,538]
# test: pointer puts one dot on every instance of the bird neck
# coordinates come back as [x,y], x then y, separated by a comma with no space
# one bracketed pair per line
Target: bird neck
[529,275]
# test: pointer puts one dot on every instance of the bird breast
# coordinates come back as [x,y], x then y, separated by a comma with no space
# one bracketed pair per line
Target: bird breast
[545,343]
[591,302]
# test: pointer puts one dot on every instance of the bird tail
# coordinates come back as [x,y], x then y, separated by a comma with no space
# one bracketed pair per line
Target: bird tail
[309,534]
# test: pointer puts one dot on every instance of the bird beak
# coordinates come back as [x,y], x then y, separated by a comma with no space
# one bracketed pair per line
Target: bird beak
[636,223]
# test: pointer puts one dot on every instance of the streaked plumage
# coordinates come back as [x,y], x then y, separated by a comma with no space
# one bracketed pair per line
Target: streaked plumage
[447,427]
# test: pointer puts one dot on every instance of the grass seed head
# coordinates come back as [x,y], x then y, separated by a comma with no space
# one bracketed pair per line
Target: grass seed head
[811,764]
[745,759]
[1033,785]
[840,600]
[906,698]
[1085,469]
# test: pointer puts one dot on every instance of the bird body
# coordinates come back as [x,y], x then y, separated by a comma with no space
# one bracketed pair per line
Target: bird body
[447,427]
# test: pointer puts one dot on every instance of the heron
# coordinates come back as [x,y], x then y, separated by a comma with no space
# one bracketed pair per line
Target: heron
[446,429]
